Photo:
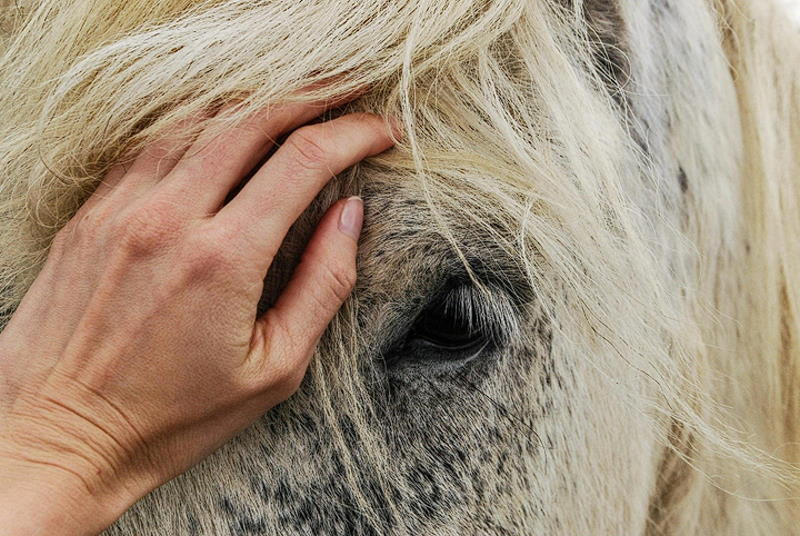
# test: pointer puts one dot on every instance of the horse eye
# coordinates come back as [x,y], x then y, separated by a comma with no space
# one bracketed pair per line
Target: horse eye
[449,324]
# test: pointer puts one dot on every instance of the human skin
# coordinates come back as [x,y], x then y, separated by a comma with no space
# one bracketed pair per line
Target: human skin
[138,349]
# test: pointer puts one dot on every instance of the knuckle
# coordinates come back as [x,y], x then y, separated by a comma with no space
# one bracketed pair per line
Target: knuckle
[287,355]
[147,229]
[286,380]
[210,252]
[83,228]
[339,282]
[203,162]
[365,119]
[310,147]
[59,243]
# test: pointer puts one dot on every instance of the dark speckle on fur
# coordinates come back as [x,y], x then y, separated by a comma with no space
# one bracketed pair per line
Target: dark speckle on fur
[683,181]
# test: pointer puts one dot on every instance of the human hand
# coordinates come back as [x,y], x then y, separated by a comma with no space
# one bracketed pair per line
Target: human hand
[137,351]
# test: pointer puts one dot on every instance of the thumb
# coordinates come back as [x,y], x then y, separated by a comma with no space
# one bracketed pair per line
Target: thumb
[319,286]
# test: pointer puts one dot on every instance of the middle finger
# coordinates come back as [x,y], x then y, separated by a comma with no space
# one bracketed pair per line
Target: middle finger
[215,164]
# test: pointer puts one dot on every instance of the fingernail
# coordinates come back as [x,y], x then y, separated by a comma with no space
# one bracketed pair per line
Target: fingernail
[352,217]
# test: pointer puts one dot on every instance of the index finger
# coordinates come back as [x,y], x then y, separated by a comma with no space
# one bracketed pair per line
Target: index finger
[216,162]
[286,184]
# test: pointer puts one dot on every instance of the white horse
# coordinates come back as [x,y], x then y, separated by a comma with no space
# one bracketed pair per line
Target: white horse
[577,307]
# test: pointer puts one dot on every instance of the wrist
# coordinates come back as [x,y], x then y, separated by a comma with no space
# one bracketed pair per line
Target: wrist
[59,473]
[38,498]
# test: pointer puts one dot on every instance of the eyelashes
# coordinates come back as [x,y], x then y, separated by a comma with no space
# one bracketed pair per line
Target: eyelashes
[461,319]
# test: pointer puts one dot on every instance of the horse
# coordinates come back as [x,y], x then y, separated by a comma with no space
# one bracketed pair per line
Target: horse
[577,309]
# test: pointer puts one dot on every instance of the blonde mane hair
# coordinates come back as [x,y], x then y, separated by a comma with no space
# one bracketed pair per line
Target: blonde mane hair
[683,297]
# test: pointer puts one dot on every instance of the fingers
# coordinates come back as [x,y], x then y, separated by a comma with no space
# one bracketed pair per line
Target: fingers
[215,164]
[283,187]
[205,169]
[103,190]
[161,156]
[319,286]
[127,179]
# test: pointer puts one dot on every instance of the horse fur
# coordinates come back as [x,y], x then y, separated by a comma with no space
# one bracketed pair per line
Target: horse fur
[613,185]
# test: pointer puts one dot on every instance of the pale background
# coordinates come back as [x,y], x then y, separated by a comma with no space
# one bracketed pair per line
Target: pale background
[794,9]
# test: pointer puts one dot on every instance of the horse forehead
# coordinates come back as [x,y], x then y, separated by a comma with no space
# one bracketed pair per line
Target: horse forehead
[398,235]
